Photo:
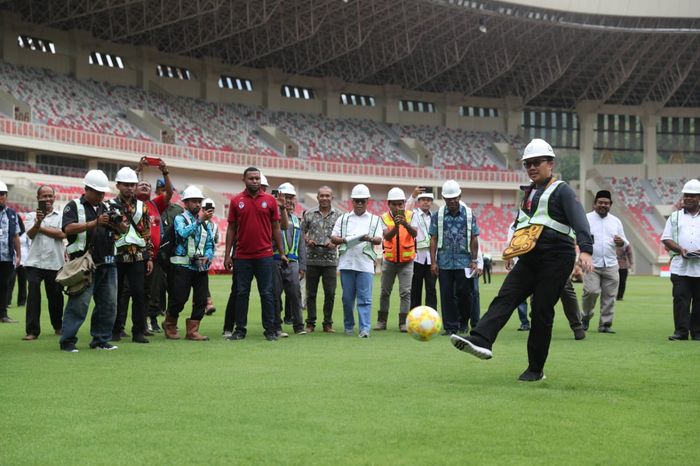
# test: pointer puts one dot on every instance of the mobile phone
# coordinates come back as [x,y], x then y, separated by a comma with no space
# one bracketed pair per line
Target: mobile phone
[275,192]
[401,212]
[427,189]
[208,206]
[152,161]
[42,206]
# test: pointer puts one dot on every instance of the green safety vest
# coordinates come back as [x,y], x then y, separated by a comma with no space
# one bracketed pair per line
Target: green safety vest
[425,243]
[192,248]
[79,244]
[541,215]
[368,249]
[132,236]
[441,226]
[292,252]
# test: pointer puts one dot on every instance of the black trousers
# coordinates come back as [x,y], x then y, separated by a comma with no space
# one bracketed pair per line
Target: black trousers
[184,280]
[487,274]
[133,273]
[569,301]
[686,305]
[155,284]
[423,276]
[328,275]
[542,275]
[6,274]
[19,276]
[230,317]
[623,283]
[456,298]
[54,295]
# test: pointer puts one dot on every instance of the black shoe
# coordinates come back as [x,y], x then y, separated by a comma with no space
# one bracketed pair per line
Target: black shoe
[524,328]
[69,347]
[102,346]
[467,345]
[605,330]
[148,333]
[579,334]
[210,311]
[288,322]
[236,336]
[678,337]
[448,333]
[531,376]
[271,336]
[155,328]
[585,322]
[139,339]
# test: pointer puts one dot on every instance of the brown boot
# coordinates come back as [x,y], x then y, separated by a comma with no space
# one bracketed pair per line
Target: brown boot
[193,331]
[381,321]
[170,327]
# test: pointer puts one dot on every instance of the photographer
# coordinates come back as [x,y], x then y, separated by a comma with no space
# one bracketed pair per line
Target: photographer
[194,251]
[134,255]
[87,227]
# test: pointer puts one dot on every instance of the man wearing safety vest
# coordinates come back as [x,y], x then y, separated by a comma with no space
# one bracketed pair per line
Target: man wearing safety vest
[400,228]
[356,233]
[134,256]
[287,275]
[194,251]
[87,226]
[681,237]
[454,247]
[10,251]
[549,209]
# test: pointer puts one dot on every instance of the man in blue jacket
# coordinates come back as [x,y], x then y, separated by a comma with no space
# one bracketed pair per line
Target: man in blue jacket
[10,253]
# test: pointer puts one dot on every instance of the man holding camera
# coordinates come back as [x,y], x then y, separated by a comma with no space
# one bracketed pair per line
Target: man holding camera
[400,228]
[194,251]
[46,257]
[423,197]
[134,255]
[87,226]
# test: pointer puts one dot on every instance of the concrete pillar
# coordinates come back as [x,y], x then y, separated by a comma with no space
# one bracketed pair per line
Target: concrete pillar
[392,96]
[651,114]
[272,98]
[587,112]
[451,103]
[513,114]
[331,97]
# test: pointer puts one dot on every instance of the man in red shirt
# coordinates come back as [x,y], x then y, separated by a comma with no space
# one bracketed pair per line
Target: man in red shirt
[253,222]
[155,282]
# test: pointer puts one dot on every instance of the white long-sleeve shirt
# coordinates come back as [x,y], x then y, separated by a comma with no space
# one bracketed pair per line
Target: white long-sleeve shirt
[604,229]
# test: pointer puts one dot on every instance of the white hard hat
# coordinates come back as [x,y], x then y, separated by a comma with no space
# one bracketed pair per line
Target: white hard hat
[428,195]
[287,188]
[97,180]
[263,181]
[3,187]
[691,187]
[360,191]
[396,194]
[126,175]
[209,201]
[192,192]
[538,148]
[451,189]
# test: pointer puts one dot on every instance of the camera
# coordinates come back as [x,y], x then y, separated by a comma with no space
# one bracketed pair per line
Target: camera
[114,212]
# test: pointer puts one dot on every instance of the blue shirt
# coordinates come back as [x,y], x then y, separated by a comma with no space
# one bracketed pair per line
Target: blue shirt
[454,253]
[7,254]
[183,232]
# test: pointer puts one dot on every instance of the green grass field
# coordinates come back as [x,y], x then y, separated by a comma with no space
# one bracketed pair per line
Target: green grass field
[629,398]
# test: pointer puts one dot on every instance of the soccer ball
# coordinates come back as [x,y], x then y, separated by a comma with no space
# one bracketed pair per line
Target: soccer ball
[423,323]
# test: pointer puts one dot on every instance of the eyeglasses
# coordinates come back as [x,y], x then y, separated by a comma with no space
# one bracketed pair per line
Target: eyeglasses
[533,163]
[359,201]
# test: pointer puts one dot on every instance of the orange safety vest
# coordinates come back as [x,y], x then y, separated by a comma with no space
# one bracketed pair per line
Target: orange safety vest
[403,241]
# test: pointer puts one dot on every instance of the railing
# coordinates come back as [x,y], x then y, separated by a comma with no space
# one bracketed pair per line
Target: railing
[170,151]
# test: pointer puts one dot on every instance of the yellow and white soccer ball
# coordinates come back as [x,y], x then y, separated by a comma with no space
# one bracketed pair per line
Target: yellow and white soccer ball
[423,323]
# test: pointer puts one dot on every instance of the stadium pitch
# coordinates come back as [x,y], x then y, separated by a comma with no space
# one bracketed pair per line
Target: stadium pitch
[628,398]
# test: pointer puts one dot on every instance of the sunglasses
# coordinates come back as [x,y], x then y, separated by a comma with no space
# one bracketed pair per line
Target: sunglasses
[533,163]
[359,201]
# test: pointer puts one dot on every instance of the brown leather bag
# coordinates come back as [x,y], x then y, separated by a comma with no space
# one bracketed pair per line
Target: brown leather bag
[523,241]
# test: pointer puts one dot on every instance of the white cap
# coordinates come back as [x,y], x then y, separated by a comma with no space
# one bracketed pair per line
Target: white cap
[451,189]
[692,187]
[538,148]
[97,180]
[428,195]
[263,181]
[396,194]
[192,192]
[3,187]
[126,175]
[209,201]
[287,188]
[360,191]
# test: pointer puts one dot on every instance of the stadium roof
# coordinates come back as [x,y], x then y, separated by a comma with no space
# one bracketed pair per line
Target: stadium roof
[550,58]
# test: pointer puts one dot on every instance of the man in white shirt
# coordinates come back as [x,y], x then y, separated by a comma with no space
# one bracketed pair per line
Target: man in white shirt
[356,233]
[603,280]
[46,257]
[421,264]
[682,238]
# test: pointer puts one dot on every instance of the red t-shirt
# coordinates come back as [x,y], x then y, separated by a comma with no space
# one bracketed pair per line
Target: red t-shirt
[253,217]
[156,206]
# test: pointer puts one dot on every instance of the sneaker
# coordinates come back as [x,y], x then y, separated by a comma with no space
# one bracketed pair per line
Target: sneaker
[288,322]
[271,336]
[403,328]
[524,328]
[103,346]
[210,310]
[227,334]
[349,332]
[465,344]
[7,320]
[69,347]
[531,376]
[236,336]
[364,334]
[155,328]
[300,332]
[579,334]
[149,328]
[281,334]
[380,325]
